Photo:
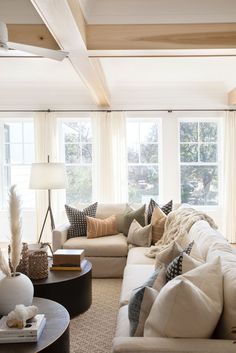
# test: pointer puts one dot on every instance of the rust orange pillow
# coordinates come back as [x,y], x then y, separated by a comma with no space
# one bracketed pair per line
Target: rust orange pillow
[97,227]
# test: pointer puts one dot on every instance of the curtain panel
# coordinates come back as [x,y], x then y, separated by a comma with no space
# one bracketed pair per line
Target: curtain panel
[230,176]
[109,157]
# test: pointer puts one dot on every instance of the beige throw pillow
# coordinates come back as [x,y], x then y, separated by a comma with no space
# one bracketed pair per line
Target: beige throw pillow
[138,235]
[158,224]
[188,306]
[101,227]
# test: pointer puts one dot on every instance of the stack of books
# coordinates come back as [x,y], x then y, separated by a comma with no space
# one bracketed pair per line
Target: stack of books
[30,333]
[68,259]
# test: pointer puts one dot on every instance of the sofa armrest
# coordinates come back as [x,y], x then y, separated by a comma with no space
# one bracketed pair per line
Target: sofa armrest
[171,345]
[59,236]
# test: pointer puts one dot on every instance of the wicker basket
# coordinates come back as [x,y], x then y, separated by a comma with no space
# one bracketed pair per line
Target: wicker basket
[38,264]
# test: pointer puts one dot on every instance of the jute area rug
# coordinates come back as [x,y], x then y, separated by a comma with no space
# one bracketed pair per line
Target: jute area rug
[93,331]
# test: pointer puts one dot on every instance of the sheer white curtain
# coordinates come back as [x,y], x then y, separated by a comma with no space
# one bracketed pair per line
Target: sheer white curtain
[230,176]
[45,125]
[109,157]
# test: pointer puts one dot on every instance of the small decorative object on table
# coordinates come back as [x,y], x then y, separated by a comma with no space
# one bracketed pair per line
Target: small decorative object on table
[22,325]
[68,259]
[38,264]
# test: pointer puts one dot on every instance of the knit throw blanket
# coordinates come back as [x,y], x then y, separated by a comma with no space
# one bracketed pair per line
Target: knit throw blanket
[177,226]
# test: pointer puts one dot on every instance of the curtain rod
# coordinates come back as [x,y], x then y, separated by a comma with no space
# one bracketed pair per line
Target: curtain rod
[112,110]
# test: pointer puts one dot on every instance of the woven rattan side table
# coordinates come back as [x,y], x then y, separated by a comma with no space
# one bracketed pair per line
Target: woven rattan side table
[72,289]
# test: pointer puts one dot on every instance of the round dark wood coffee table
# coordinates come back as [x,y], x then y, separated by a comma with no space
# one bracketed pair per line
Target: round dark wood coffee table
[55,336]
[72,289]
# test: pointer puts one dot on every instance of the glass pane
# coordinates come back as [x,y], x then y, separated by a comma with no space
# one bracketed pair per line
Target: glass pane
[208,132]
[15,131]
[15,153]
[148,132]
[79,188]
[72,153]
[189,152]
[72,132]
[132,132]
[208,153]
[133,153]
[28,132]
[199,185]
[188,132]
[86,133]
[149,153]
[86,152]
[19,175]
[143,183]
[28,153]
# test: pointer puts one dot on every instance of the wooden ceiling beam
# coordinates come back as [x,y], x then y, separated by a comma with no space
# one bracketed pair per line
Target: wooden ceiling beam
[161,36]
[31,34]
[65,21]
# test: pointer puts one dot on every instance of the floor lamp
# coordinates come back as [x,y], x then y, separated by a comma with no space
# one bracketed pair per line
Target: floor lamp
[47,176]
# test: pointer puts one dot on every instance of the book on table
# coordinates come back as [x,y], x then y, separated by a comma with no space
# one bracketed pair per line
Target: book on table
[30,333]
[64,257]
[68,267]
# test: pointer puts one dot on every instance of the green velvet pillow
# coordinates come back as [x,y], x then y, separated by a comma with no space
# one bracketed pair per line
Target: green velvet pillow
[129,216]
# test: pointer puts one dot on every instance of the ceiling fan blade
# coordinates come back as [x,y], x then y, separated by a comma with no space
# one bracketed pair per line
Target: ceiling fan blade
[47,53]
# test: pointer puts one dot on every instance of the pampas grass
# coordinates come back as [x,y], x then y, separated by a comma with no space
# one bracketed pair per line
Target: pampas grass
[15,225]
[4,267]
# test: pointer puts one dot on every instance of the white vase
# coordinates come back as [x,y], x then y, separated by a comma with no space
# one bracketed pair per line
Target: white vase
[15,290]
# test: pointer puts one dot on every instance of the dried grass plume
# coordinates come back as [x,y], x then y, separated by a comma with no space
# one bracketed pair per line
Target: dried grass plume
[4,267]
[15,226]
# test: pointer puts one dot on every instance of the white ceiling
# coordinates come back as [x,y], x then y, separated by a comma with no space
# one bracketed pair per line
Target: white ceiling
[40,84]
[158,11]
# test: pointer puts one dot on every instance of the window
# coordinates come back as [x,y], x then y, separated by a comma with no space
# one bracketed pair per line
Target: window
[18,147]
[199,162]
[143,159]
[77,152]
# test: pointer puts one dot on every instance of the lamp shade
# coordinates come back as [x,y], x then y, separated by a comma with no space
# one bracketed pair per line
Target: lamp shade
[48,176]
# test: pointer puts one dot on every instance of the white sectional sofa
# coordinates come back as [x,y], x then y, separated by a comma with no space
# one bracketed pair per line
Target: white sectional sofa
[109,259]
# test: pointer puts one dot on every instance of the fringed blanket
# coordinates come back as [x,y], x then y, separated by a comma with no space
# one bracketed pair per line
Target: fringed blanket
[177,226]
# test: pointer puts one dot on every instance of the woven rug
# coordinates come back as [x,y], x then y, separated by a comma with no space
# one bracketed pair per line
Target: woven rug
[93,331]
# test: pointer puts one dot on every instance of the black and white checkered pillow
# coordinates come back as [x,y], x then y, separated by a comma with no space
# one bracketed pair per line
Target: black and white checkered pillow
[175,267]
[77,219]
[167,208]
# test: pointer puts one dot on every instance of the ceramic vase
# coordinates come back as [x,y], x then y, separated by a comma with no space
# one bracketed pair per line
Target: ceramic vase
[15,290]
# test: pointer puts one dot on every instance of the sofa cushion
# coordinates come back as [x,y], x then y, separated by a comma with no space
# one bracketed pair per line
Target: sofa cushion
[158,224]
[105,210]
[101,227]
[204,236]
[137,256]
[189,306]
[228,263]
[138,235]
[109,246]
[167,208]
[141,301]
[77,219]
[122,327]
[181,264]
[130,215]
[134,276]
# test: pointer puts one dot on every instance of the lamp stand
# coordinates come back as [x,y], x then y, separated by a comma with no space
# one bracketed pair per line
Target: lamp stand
[49,211]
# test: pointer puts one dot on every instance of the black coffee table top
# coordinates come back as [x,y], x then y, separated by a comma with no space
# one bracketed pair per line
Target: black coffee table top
[57,323]
[61,276]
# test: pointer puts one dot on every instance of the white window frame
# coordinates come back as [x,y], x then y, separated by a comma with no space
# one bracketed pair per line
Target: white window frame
[142,118]
[4,119]
[218,163]
[70,117]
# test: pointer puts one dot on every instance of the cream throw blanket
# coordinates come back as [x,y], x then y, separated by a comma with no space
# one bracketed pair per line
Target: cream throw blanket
[177,226]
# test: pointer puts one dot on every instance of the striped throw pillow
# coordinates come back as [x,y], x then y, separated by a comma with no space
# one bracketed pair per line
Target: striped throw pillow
[101,227]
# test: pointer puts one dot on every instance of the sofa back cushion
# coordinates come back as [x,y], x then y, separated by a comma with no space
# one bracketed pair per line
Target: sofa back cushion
[212,244]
